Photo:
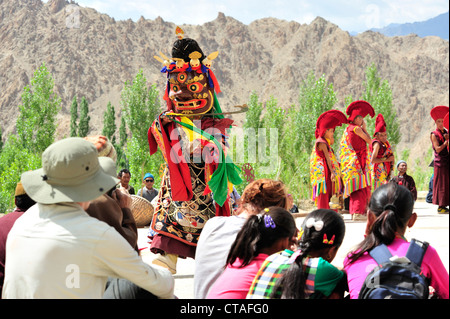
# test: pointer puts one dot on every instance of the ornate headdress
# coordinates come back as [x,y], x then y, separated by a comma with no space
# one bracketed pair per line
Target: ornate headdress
[380,124]
[329,119]
[360,107]
[438,112]
[190,67]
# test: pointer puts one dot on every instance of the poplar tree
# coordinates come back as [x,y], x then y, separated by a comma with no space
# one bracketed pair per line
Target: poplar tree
[83,125]
[140,105]
[36,123]
[74,117]
[109,123]
[378,93]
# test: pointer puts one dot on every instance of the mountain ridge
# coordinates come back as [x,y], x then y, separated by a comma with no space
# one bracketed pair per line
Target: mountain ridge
[436,26]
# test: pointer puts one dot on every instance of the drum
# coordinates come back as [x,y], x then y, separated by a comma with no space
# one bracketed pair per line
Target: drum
[142,210]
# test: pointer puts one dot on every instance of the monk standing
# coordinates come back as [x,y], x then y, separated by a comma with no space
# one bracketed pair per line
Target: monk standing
[325,171]
[355,160]
[439,140]
[381,155]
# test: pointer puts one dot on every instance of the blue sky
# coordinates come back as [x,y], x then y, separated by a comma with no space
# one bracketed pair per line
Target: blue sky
[349,15]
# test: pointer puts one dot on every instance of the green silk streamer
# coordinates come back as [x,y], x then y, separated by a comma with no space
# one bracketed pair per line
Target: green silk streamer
[226,170]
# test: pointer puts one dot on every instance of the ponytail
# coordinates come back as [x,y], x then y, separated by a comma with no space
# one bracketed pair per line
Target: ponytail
[259,232]
[244,247]
[321,229]
[392,206]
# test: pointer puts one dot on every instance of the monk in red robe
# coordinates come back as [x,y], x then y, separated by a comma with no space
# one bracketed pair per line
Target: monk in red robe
[325,170]
[355,160]
[381,156]
[439,140]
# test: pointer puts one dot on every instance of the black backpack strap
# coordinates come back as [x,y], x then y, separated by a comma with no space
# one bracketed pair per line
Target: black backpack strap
[380,253]
[416,251]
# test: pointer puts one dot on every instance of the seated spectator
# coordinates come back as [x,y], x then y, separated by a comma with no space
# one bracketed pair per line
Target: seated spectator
[55,249]
[307,272]
[262,235]
[114,207]
[148,192]
[219,233]
[124,186]
[404,179]
[23,202]
[390,213]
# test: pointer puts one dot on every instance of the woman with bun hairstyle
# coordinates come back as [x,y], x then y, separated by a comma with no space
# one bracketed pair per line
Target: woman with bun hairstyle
[390,213]
[219,233]
[270,231]
[306,273]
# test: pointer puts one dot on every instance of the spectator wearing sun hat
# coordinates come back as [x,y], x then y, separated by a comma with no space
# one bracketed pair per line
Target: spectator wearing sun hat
[148,192]
[55,249]
[114,207]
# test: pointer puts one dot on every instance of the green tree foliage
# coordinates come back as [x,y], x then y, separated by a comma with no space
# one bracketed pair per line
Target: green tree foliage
[315,97]
[140,104]
[83,125]
[378,93]
[14,160]
[293,130]
[109,123]
[36,126]
[74,117]
[1,139]
[253,115]
[122,132]
[36,123]
[276,140]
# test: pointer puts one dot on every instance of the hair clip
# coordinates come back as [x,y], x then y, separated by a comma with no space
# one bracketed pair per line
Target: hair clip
[294,256]
[310,222]
[326,241]
[300,234]
[268,221]
[266,210]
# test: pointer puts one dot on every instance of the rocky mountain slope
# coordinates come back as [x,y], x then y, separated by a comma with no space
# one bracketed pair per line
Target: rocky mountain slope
[90,54]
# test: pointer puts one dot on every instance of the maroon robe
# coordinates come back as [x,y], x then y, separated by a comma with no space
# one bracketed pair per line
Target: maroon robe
[441,171]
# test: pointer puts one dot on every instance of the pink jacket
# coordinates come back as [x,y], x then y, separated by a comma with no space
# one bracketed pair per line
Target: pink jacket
[432,268]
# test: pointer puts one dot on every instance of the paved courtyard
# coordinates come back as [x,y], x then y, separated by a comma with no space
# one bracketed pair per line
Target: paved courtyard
[430,226]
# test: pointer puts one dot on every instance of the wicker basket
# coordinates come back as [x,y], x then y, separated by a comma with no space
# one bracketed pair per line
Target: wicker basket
[142,210]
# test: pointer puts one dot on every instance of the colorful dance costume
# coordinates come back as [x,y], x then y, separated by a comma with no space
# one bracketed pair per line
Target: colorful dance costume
[199,176]
[320,172]
[380,172]
[355,161]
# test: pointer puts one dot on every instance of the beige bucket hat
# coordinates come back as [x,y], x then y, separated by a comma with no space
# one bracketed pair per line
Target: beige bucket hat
[71,172]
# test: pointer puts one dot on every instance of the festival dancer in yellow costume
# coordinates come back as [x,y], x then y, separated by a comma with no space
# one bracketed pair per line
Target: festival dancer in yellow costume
[355,160]
[381,155]
[325,172]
